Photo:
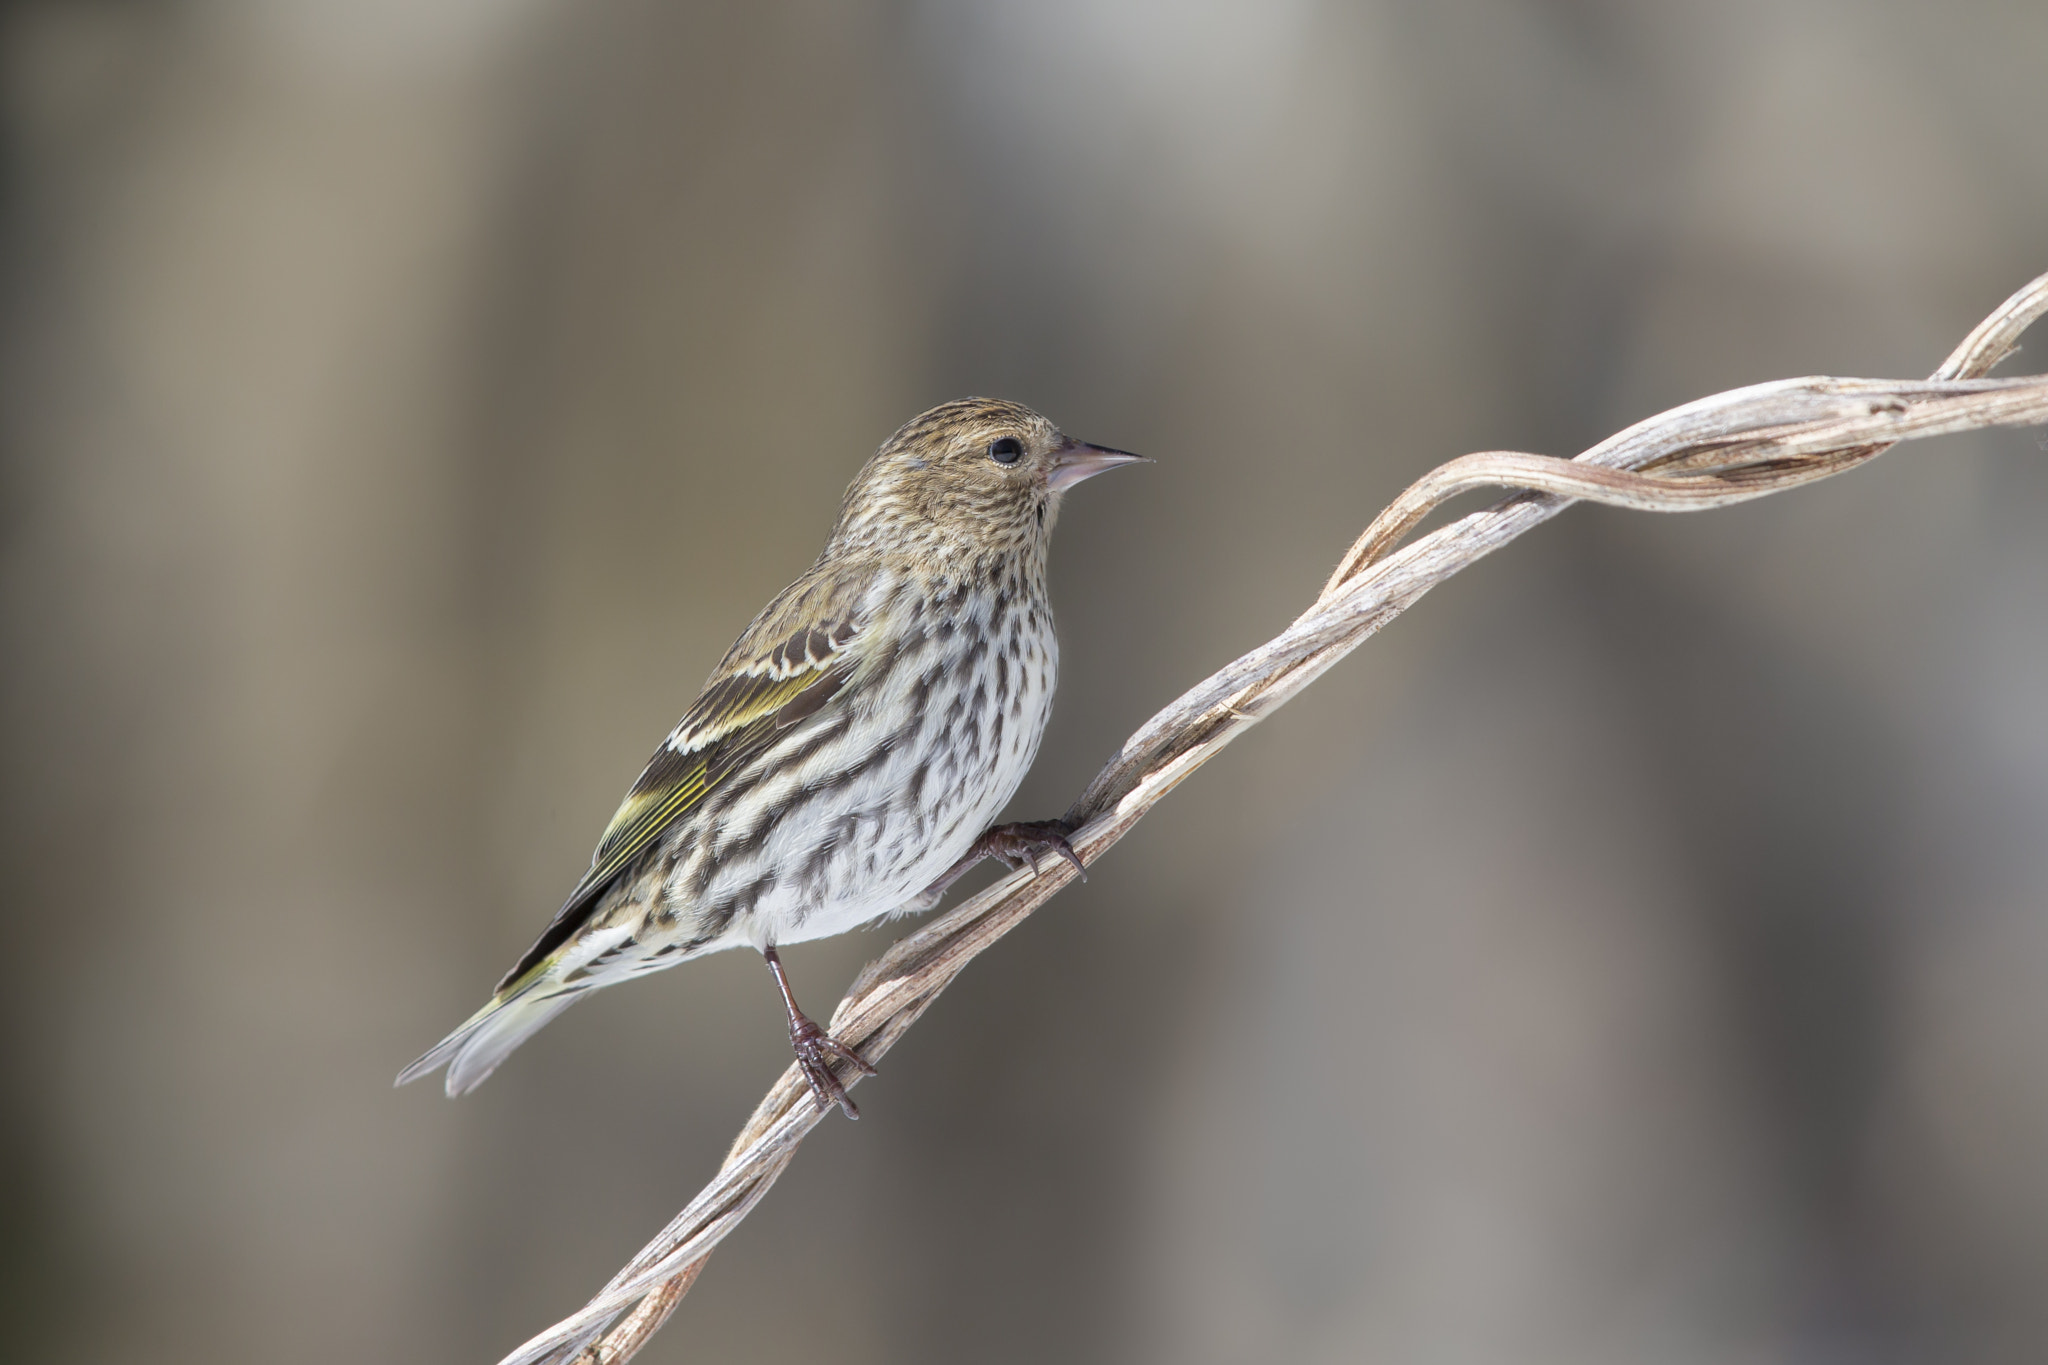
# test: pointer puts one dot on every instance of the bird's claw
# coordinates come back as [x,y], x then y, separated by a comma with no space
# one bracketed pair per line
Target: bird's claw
[816,1050]
[1019,845]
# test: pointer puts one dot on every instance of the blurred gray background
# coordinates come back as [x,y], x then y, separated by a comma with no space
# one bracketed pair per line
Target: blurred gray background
[1640,953]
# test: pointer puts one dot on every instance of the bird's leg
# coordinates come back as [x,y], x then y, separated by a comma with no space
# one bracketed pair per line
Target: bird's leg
[1014,846]
[815,1049]
[1021,844]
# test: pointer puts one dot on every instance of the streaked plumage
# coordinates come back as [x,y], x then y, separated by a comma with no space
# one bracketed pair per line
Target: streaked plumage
[845,758]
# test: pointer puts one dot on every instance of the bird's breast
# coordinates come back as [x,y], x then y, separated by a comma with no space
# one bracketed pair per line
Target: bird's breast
[970,700]
[943,722]
[981,699]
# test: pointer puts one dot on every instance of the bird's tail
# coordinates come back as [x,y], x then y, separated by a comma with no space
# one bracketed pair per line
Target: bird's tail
[487,1038]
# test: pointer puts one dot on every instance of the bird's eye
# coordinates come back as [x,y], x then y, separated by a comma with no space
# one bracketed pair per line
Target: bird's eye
[1005,450]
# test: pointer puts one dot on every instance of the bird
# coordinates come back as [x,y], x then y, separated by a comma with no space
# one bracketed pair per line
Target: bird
[845,759]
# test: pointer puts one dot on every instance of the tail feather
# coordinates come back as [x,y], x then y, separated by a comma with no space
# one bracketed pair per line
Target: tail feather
[488,1037]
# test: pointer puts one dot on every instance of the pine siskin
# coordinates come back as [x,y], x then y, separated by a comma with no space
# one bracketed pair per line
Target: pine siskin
[844,759]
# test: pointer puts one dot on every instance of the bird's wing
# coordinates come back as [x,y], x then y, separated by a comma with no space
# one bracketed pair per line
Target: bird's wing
[789,664]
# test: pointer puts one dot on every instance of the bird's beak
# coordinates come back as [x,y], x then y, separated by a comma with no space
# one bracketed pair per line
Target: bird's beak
[1077,460]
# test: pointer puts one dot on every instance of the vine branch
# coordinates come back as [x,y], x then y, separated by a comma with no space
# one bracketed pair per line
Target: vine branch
[1731,447]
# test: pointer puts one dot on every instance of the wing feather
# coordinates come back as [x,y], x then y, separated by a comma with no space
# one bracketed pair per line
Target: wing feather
[736,716]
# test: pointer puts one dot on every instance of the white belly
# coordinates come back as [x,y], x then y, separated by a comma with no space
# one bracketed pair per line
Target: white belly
[876,818]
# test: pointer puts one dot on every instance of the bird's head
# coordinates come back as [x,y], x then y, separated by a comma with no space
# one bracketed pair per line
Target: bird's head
[973,475]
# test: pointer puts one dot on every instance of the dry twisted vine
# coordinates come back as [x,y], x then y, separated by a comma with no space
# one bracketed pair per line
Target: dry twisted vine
[1728,448]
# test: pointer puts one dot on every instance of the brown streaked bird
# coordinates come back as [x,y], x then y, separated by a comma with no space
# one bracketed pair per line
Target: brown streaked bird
[845,758]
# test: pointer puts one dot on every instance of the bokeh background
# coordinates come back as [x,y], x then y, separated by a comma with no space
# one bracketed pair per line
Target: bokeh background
[1640,953]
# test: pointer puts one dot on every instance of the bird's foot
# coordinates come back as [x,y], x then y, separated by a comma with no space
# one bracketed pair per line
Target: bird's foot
[816,1050]
[1023,844]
